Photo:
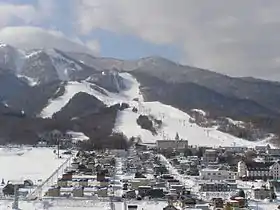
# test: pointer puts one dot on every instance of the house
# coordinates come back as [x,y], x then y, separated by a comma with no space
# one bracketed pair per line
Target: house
[210,156]
[178,145]
[258,170]
[217,174]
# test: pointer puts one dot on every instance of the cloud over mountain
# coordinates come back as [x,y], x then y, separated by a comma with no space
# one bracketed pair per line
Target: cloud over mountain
[29,37]
[234,37]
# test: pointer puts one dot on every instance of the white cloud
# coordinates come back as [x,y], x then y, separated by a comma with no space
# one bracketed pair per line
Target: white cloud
[93,45]
[33,37]
[239,38]
[10,13]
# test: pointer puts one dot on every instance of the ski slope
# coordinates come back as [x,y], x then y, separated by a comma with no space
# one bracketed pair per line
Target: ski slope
[72,88]
[174,120]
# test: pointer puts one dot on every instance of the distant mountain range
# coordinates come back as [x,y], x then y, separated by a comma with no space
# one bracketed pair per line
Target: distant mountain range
[29,80]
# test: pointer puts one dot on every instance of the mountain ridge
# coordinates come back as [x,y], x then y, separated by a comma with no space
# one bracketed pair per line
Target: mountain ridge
[54,73]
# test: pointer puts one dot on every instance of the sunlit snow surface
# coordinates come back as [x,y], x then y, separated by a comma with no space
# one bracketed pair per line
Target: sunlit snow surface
[173,119]
[19,164]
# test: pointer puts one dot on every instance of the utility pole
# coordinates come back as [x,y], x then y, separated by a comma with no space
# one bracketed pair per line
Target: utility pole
[15,203]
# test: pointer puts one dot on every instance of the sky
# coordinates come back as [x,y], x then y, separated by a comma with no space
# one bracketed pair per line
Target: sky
[237,38]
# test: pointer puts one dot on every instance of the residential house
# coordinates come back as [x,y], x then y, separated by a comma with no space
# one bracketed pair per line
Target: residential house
[258,170]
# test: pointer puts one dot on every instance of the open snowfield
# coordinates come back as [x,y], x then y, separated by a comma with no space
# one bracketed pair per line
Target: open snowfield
[19,164]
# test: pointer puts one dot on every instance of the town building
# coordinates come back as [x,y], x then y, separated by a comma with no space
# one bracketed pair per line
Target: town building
[217,187]
[258,170]
[273,151]
[217,174]
[235,149]
[262,149]
[261,193]
[178,145]
[210,156]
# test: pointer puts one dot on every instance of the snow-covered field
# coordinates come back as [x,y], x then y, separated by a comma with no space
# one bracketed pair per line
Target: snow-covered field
[18,164]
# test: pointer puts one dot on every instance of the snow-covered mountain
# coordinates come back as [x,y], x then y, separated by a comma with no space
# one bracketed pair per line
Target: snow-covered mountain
[173,120]
[52,84]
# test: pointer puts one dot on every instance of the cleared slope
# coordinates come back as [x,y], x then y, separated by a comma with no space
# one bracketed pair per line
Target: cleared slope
[72,88]
[174,121]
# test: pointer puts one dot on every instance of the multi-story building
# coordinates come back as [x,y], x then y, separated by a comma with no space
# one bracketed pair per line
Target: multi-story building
[217,174]
[259,170]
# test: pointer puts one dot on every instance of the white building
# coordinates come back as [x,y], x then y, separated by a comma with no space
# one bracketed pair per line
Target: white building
[172,144]
[258,170]
[217,174]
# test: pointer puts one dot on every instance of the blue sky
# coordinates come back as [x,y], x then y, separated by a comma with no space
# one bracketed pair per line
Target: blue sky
[131,47]
[111,44]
